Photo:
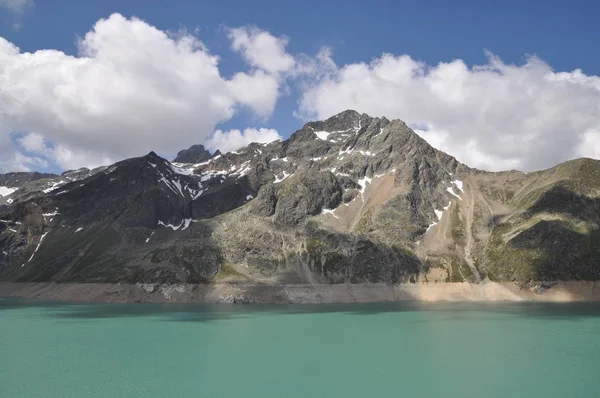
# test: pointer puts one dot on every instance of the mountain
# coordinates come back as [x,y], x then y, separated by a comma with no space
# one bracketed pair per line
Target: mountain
[194,154]
[23,185]
[352,199]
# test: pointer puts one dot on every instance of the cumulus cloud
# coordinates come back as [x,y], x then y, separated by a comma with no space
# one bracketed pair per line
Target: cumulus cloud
[261,49]
[590,144]
[131,88]
[492,116]
[42,152]
[14,160]
[227,141]
[249,89]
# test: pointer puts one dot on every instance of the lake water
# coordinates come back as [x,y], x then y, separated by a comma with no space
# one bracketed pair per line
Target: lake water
[357,350]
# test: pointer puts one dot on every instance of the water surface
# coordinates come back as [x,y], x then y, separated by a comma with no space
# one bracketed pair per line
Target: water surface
[357,350]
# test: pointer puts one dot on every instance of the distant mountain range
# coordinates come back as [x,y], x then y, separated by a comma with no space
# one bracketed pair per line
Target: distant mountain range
[352,199]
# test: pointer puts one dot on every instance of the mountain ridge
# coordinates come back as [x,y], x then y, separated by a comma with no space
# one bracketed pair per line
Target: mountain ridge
[350,199]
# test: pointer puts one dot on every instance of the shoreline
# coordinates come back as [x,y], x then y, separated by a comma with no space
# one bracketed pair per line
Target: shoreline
[565,291]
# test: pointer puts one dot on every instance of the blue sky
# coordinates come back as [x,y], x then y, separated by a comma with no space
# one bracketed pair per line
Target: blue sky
[563,35]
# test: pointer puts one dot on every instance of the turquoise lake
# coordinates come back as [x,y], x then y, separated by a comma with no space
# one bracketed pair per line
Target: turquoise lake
[357,350]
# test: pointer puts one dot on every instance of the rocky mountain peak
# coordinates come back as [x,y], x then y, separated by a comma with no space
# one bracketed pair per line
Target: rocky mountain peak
[194,154]
[344,121]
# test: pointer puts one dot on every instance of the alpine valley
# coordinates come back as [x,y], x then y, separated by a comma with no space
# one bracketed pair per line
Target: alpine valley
[353,208]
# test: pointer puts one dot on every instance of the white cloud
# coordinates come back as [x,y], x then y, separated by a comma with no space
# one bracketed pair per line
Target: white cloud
[131,89]
[21,162]
[261,49]
[493,116]
[16,6]
[227,141]
[14,160]
[249,89]
[33,142]
[63,155]
[71,159]
[589,145]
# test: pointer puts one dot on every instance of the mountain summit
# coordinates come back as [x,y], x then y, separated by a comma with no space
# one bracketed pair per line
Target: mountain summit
[194,154]
[351,199]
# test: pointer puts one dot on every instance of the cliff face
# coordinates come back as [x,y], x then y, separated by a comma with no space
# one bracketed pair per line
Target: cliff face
[350,199]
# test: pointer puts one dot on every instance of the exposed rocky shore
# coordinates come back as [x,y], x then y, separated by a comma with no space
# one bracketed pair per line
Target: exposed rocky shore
[303,294]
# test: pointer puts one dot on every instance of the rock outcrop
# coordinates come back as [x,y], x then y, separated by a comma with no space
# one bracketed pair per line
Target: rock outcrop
[194,154]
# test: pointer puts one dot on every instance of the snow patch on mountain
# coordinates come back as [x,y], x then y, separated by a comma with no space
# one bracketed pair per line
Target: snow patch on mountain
[5,191]
[182,171]
[329,211]
[36,249]
[209,175]
[55,185]
[174,183]
[245,168]
[366,153]
[322,135]
[148,238]
[168,184]
[209,161]
[196,194]
[439,213]
[357,128]
[185,223]
[177,184]
[363,185]
[459,184]
[285,175]
[451,191]
[347,150]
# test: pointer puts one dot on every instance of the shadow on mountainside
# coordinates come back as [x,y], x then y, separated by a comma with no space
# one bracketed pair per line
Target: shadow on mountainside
[565,254]
[348,258]
[108,253]
[122,225]
[566,246]
[560,200]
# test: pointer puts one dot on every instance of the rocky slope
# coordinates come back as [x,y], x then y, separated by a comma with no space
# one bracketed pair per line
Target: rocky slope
[352,199]
[23,185]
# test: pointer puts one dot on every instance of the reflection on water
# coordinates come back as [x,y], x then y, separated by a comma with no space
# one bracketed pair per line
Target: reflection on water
[211,312]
